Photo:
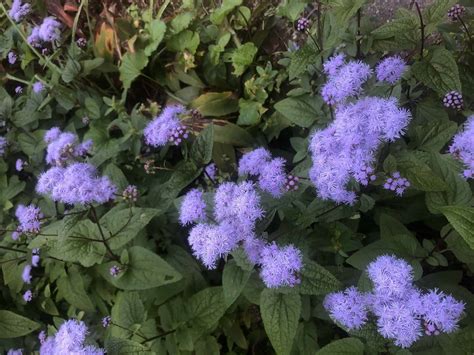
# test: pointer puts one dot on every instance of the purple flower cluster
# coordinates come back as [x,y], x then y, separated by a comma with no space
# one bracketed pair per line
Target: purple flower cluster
[346,149]
[28,296]
[236,212]
[76,184]
[211,171]
[19,10]
[115,270]
[19,164]
[26,273]
[344,79]
[18,90]
[130,193]
[38,87]
[12,57]
[456,12]
[166,128]
[390,69]
[303,24]
[106,321]
[3,145]
[453,99]
[69,339]
[397,183]
[403,312]
[463,147]
[64,147]
[15,352]
[270,171]
[29,218]
[48,31]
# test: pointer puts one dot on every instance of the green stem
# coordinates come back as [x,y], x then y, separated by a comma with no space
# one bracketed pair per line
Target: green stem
[158,336]
[422,28]
[104,240]
[13,249]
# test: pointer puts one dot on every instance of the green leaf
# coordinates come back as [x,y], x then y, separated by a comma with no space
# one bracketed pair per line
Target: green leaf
[156,29]
[119,346]
[400,33]
[316,280]
[205,309]
[234,279]
[250,112]
[227,6]
[301,110]
[145,270]
[391,228]
[131,67]
[438,71]
[125,224]
[345,9]
[242,57]
[128,312]
[216,104]
[13,325]
[201,151]
[184,41]
[462,220]
[71,287]
[419,174]
[349,346]
[71,70]
[301,60]
[232,134]
[81,244]
[280,314]
[458,191]
[434,135]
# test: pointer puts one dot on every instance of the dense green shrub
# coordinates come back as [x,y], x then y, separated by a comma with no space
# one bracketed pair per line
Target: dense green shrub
[110,247]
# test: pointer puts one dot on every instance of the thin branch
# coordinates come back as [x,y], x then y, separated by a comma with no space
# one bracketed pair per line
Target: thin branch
[159,336]
[13,249]
[104,240]
[359,39]
[422,28]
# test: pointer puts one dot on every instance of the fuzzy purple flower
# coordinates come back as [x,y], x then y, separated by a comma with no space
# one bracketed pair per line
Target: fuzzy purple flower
[345,149]
[463,147]
[38,87]
[193,208]
[347,81]
[64,147]
[29,218]
[19,10]
[252,162]
[76,184]
[391,276]
[332,65]
[390,69]
[26,274]
[28,296]
[210,243]
[52,134]
[18,90]
[348,308]
[280,266]
[166,128]
[3,145]
[49,30]
[35,257]
[211,171]
[12,57]
[272,177]
[442,311]
[15,352]
[19,164]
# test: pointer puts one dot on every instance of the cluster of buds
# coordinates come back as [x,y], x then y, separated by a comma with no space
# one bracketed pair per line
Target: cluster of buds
[178,135]
[302,24]
[430,329]
[397,183]
[115,270]
[364,175]
[456,12]
[195,114]
[106,321]
[130,193]
[453,99]
[81,42]
[149,166]
[291,183]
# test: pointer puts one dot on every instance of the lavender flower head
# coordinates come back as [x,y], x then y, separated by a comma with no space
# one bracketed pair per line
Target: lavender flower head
[48,31]
[251,163]
[64,147]
[3,145]
[332,65]
[349,307]
[12,57]
[280,266]
[463,147]
[403,313]
[273,177]
[29,218]
[26,274]
[345,81]
[19,164]
[15,352]
[211,242]
[38,87]
[390,69]
[193,208]
[19,10]
[211,171]
[28,296]
[345,149]
[164,128]
[76,184]
[69,339]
